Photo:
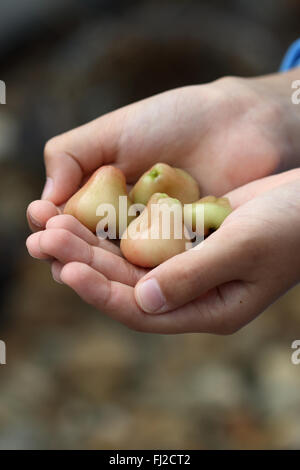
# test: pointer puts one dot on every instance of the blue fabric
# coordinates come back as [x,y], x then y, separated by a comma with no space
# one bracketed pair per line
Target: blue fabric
[291,58]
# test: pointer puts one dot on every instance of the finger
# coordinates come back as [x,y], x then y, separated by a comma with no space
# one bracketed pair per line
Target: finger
[68,222]
[251,190]
[33,247]
[210,314]
[74,154]
[39,212]
[67,247]
[112,298]
[56,268]
[185,277]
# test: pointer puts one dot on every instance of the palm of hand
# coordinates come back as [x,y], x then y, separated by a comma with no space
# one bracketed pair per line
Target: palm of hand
[220,287]
[224,136]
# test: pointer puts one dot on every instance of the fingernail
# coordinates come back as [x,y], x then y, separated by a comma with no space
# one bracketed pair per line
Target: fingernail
[48,188]
[56,277]
[56,270]
[149,296]
[34,222]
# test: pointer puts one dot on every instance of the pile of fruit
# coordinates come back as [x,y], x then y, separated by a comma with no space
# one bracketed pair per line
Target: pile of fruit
[156,220]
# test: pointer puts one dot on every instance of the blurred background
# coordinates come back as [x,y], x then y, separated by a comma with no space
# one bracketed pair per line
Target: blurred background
[75,379]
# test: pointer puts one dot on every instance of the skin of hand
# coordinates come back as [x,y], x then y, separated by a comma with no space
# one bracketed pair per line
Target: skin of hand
[228,133]
[217,287]
[225,133]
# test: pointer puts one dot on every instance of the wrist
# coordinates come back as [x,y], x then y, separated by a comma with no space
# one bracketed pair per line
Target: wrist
[291,116]
[278,90]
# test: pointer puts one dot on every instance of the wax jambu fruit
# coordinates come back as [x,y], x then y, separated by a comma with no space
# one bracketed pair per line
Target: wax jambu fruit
[215,211]
[104,187]
[162,178]
[151,238]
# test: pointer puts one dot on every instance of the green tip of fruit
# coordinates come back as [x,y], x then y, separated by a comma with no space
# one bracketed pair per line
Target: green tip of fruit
[154,173]
[162,195]
[176,201]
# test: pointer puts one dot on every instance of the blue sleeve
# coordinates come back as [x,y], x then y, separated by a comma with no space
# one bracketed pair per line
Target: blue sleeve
[291,58]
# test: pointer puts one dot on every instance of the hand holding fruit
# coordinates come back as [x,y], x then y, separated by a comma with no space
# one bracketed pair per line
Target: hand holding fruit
[217,288]
[206,128]
[212,126]
[140,244]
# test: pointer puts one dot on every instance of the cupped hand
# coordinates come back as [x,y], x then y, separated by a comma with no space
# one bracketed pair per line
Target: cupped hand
[217,287]
[225,133]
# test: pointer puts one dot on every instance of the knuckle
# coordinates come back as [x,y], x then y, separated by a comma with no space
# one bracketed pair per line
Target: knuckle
[229,81]
[63,221]
[132,273]
[63,236]
[51,239]
[46,242]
